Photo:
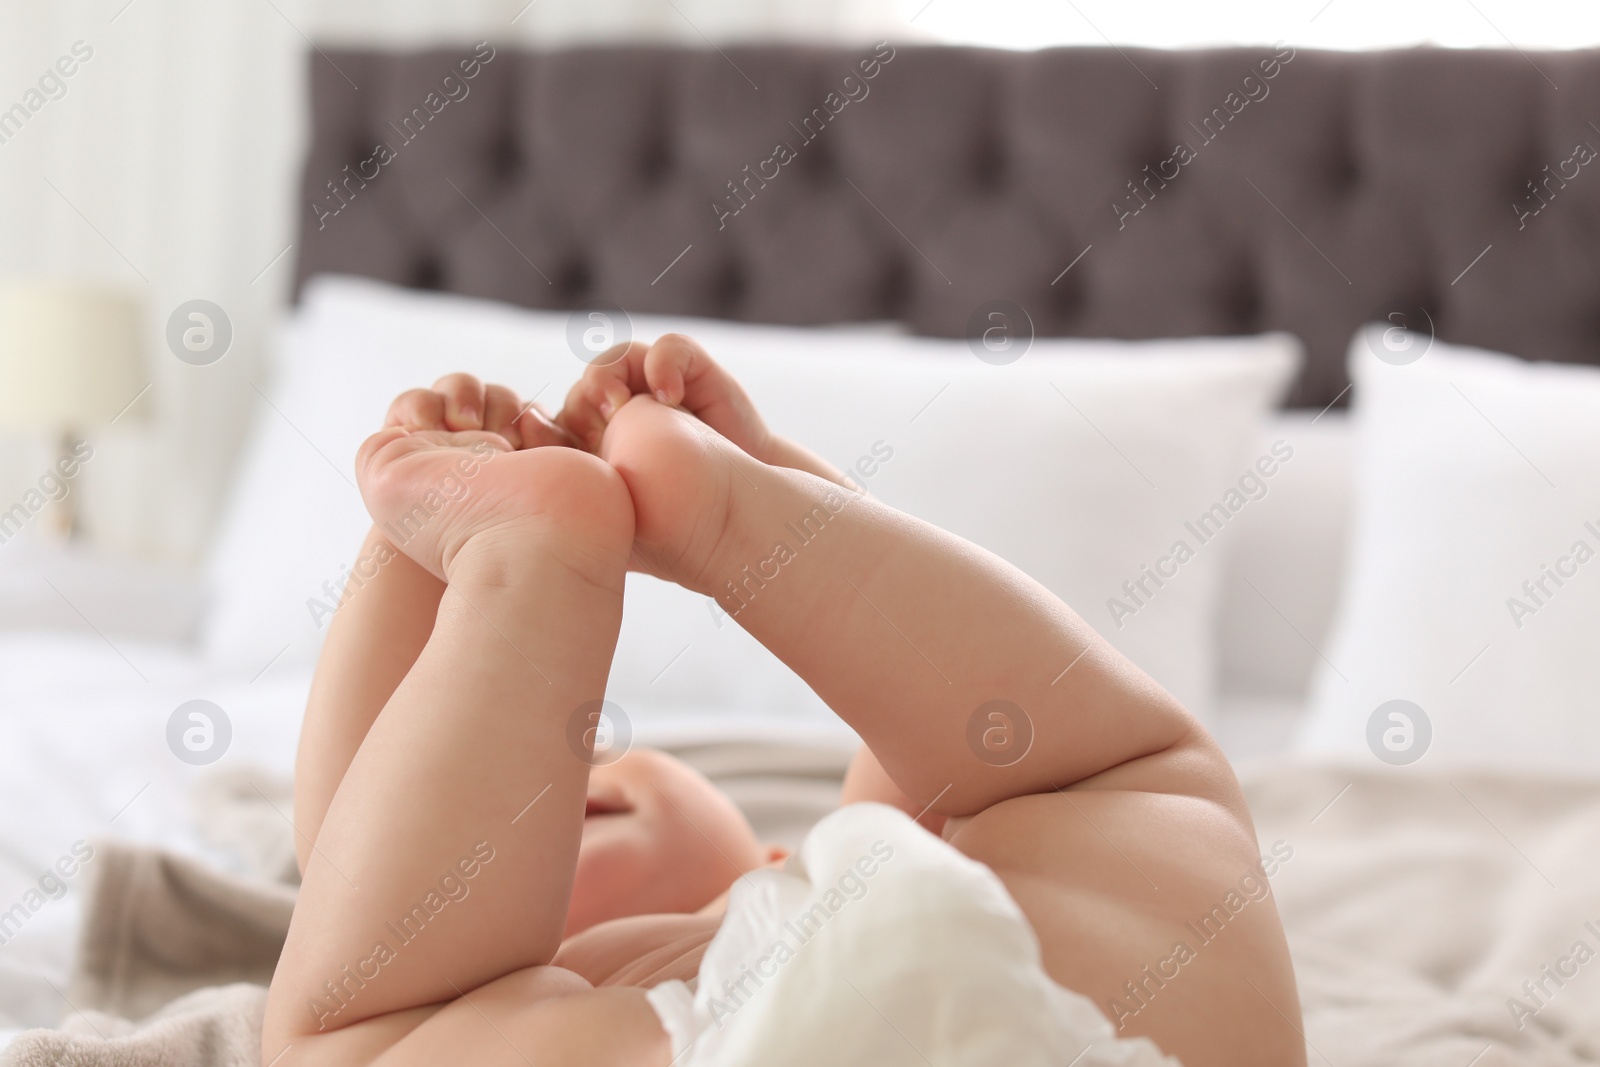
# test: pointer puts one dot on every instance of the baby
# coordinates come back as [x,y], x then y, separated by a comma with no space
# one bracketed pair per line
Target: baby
[443,752]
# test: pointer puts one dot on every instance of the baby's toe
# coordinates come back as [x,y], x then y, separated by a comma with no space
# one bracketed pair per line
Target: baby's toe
[417,409]
[502,411]
[537,429]
[464,401]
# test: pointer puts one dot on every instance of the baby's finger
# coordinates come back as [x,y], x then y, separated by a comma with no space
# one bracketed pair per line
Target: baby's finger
[463,401]
[501,413]
[417,409]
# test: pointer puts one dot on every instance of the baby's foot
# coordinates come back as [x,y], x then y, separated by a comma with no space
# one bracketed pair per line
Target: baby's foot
[676,371]
[686,481]
[434,486]
[688,441]
[460,402]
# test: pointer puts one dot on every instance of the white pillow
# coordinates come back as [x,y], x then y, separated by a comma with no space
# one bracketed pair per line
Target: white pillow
[1287,562]
[295,520]
[1475,472]
[1080,463]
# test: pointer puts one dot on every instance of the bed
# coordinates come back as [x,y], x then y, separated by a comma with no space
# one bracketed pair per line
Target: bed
[1164,323]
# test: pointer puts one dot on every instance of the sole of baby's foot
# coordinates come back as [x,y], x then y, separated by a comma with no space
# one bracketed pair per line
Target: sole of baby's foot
[443,498]
[686,482]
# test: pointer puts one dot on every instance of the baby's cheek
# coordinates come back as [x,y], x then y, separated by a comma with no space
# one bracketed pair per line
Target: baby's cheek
[599,865]
[610,872]
[698,871]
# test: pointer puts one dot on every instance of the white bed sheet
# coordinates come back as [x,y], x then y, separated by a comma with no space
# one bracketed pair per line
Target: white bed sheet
[85,757]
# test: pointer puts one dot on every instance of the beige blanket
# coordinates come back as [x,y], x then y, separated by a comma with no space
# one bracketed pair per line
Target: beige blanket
[1417,906]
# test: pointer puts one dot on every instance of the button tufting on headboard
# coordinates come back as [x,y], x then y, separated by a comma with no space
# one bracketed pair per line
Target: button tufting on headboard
[1130,193]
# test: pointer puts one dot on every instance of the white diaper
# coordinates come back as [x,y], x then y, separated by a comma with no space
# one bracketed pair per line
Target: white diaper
[881,944]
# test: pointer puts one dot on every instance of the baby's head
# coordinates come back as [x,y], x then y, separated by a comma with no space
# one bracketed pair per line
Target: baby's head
[657,838]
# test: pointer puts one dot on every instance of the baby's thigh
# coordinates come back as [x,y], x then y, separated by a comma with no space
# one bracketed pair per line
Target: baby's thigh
[535,1017]
[1155,907]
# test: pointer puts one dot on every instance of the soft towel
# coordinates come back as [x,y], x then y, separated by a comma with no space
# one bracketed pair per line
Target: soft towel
[182,949]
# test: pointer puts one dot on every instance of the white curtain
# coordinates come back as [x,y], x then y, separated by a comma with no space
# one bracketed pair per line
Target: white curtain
[166,167]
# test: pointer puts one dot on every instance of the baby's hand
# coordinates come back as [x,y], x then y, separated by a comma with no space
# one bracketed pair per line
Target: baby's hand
[677,372]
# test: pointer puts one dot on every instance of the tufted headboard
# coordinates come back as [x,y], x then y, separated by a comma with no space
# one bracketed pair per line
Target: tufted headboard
[1107,192]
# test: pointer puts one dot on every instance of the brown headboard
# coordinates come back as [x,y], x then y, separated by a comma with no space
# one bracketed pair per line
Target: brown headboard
[1321,190]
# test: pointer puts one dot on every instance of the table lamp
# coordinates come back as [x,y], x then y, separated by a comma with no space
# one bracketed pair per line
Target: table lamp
[70,358]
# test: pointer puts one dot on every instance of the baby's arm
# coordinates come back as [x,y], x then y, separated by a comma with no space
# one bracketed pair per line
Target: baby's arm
[382,626]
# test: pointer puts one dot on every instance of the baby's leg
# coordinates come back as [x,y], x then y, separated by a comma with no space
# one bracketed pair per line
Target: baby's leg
[372,642]
[970,682]
[388,607]
[1110,815]
[909,633]
[446,858]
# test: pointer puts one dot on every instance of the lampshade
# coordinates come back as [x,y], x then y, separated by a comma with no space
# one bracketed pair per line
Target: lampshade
[69,355]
